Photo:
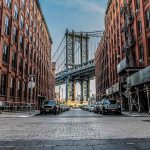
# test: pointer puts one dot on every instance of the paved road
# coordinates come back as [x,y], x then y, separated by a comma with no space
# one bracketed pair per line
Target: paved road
[75,130]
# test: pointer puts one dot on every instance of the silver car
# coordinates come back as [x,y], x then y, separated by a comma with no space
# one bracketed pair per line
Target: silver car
[110,106]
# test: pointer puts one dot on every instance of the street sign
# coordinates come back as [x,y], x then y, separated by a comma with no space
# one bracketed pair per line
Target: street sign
[31,85]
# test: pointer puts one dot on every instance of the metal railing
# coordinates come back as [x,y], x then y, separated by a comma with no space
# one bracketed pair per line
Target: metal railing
[17,107]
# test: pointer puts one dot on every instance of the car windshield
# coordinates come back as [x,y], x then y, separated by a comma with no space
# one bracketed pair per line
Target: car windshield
[98,103]
[112,101]
[49,102]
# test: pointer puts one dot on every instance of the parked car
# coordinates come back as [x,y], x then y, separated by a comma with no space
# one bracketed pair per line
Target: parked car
[86,108]
[91,107]
[97,107]
[50,106]
[110,106]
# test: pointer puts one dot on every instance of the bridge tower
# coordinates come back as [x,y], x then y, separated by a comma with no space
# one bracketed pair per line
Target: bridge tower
[71,39]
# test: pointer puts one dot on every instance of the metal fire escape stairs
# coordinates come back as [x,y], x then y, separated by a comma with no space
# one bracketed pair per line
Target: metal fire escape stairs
[134,99]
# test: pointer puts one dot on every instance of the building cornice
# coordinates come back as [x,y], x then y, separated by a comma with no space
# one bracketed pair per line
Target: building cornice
[39,6]
[108,5]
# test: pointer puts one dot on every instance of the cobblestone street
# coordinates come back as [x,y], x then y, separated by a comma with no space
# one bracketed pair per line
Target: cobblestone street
[75,130]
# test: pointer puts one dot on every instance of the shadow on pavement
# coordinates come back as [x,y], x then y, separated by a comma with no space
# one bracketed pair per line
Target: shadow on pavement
[89,144]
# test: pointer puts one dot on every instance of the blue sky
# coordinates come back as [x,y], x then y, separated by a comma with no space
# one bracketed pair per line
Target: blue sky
[78,15]
[85,15]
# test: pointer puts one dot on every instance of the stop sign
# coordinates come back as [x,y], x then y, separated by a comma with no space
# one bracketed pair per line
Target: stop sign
[31,85]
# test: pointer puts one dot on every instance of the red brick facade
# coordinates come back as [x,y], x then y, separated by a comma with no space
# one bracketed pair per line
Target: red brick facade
[24,53]
[138,26]
[101,70]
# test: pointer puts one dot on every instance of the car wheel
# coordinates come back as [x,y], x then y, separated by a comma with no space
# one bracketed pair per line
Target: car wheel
[119,113]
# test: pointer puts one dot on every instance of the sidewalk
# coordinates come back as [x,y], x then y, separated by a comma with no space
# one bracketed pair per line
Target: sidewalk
[135,114]
[18,114]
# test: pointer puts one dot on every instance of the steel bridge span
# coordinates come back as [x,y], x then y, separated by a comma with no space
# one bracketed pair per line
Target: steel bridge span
[75,62]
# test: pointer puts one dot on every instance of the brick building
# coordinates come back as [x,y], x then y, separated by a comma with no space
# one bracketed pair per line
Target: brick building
[127,29]
[25,48]
[101,69]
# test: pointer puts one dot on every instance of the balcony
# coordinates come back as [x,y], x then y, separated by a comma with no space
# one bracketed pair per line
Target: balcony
[124,65]
[140,77]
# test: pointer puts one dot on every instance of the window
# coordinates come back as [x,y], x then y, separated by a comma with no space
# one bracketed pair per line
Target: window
[149,46]
[12,87]
[141,52]
[6,25]
[31,53]
[26,48]
[31,20]
[14,60]
[27,13]
[147,17]
[3,84]
[139,25]
[26,68]
[31,39]
[25,90]
[22,3]
[21,22]
[8,3]
[30,70]
[21,42]
[27,30]
[15,35]
[137,4]
[19,89]
[15,11]
[5,53]
[21,65]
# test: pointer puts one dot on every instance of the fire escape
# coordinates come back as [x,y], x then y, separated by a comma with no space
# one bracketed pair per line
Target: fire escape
[128,65]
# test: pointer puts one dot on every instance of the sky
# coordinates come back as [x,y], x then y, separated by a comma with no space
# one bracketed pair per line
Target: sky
[78,15]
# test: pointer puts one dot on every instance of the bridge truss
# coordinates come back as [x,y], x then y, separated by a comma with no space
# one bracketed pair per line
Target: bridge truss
[75,61]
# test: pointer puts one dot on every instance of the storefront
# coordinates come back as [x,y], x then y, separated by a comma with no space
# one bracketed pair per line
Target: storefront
[138,87]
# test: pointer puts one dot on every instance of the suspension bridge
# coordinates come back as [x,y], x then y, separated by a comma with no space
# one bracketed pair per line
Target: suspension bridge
[75,62]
